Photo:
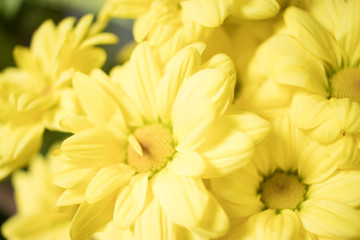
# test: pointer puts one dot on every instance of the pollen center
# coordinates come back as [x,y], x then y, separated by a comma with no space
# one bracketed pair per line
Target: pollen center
[150,148]
[282,190]
[346,84]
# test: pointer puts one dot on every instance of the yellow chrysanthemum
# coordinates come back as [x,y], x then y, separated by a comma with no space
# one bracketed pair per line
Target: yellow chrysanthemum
[36,197]
[293,189]
[36,94]
[149,137]
[317,56]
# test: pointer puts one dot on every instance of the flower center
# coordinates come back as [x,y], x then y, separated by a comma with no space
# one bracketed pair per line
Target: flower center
[150,148]
[282,190]
[346,84]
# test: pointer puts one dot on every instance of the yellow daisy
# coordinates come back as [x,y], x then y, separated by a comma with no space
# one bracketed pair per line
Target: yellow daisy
[317,56]
[292,190]
[36,197]
[150,136]
[36,94]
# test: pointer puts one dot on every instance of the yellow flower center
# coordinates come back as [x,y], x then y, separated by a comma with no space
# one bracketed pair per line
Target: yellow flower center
[346,84]
[150,148]
[282,190]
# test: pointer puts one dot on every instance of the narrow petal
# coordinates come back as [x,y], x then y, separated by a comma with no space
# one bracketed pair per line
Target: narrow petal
[316,163]
[211,83]
[343,183]
[270,225]
[94,147]
[209,13]
[187,164]
[191,125]
[90,218]
[145,76]
[327,132]
[347,152]
[313,36]
[256,9]
[186,202]
[106,181]
[131,200]
[304,72]
[347,33]
[71,197]
[226,149]
[309,110]
[182,66]
[88,90]
[347,114]
[330,218]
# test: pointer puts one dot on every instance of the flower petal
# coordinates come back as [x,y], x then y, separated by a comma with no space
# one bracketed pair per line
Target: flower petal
[131,200]
[309,110]
[88,89]
[316,163]
[330,218]
[208,13]
[347,151]
[187,164]
[313,36]
[191,126]
[106,181]
[270,225]
[343,183]
[186,202]
[90,218]
[93,147]
[256,9]
[347,114]
[183,65]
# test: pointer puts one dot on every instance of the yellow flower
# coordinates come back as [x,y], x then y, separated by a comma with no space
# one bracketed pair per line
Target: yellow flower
[292,190]
[35,94]
[36,197]
[317,56]
[150,136]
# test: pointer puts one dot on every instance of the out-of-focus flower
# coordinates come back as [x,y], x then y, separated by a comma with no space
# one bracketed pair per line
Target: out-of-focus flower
[148,141]
[36,197]
[292,189]
[316,60]
[37,93]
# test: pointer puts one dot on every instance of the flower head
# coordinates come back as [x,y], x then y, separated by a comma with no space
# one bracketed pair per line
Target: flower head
[292,190]
[34,95]
[150,138]
[36,197]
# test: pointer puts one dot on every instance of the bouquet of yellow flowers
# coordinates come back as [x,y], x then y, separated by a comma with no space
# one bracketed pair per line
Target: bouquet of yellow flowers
[228,119]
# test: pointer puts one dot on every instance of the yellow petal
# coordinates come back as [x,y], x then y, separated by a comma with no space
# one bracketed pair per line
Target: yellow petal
[211,83]
[94,147]
[256,9]
[186,202]
[93,98]
[71,197]
[309,110]
[191,125]
[347,32]
[327,131]
[316,163]
[347,152]
[209,13]
[347,114]
[330,218]
[313,36]
[106,181]
[342,186]
[131,201]
[187,164]
[90,218]
[246,181]
[180,67]
[226,148]
[282,226]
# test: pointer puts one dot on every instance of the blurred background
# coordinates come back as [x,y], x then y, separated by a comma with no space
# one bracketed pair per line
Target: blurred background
[18,20]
